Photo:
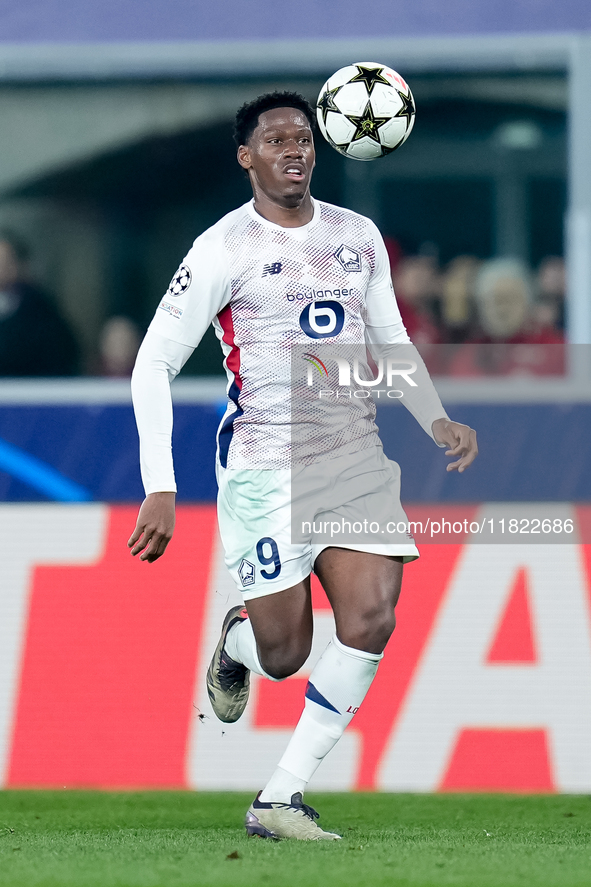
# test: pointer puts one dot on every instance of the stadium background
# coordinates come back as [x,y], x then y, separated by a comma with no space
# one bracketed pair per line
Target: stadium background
[116,153]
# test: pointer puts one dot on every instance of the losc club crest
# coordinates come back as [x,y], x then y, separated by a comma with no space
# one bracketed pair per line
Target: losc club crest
[246,573]
[181,281]
[349,258]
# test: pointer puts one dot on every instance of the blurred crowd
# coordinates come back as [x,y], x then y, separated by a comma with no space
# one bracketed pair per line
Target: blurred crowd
[36,338]
[469,318]
[493,317]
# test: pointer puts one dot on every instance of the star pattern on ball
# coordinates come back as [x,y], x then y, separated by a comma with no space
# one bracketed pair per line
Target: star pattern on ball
[326,102]
[369,76]
[408,107]
[367,125]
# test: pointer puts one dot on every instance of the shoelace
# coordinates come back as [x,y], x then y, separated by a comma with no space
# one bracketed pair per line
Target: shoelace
[230,673]
[305,808]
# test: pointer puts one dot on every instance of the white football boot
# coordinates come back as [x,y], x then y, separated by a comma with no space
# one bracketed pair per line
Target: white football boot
[295,820]
[228,682]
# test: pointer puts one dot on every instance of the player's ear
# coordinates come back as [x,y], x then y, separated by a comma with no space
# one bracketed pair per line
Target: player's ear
[244,157]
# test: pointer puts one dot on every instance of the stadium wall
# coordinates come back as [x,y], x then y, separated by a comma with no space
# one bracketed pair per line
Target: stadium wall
[485,686]
[89,452]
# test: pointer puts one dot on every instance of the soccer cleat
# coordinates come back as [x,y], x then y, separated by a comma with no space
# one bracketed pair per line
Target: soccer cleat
[295,820]
[228,681]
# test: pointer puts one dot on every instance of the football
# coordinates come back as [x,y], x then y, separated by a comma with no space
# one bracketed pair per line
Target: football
[365,110]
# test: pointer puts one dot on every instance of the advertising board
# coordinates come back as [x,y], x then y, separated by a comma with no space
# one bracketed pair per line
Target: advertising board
[486,684]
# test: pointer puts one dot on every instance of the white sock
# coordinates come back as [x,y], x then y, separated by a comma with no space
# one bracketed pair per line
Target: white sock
[241,647]
[336,689]
[282,786]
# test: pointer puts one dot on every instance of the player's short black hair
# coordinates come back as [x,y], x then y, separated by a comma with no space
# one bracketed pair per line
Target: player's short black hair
[247,117]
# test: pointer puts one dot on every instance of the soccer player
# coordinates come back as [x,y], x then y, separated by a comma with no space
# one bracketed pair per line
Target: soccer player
[262,275]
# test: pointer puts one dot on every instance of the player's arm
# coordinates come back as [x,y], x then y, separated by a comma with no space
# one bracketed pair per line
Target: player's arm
[158,362]
[460,440]
[177,328]
[386,337]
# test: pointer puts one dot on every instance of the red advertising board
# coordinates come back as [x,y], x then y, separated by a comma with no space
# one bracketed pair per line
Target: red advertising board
[485,685]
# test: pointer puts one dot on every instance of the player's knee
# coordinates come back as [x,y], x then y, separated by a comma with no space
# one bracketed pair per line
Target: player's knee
[283,661]
[370,631]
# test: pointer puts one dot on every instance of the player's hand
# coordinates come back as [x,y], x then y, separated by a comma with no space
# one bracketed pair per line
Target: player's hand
[461,440]
[155,524]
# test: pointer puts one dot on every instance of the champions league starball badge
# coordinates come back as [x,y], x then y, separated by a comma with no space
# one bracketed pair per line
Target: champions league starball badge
[180,282]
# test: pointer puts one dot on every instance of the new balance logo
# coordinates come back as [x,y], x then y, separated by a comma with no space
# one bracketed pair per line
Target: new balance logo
[274,268]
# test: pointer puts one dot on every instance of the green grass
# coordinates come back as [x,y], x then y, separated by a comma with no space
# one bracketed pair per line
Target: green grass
[177,839]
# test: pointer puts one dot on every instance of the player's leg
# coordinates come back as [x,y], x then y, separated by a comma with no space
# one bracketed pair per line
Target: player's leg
[274,640]
[363,590]
[281,625]
[271,636]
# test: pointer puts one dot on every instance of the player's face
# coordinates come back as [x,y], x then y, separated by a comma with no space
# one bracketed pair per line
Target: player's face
[280,156]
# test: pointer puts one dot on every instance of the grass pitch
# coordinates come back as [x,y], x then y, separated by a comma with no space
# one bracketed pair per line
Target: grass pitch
[181,839]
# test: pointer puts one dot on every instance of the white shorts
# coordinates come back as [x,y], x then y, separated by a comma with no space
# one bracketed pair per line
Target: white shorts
[255,519]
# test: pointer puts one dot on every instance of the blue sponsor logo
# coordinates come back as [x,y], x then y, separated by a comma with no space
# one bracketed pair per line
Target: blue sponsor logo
[321,320]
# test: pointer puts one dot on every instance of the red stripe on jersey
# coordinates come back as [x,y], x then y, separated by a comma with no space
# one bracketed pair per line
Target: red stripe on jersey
[233,359]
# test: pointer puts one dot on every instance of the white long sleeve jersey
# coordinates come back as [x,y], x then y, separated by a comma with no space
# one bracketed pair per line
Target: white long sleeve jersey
[266,289]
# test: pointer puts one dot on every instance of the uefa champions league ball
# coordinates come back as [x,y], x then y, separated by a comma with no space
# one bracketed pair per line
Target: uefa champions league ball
[365,110]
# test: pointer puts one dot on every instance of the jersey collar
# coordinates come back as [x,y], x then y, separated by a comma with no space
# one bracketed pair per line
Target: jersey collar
[300,233]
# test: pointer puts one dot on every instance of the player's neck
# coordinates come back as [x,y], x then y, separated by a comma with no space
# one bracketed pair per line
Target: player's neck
[285,216]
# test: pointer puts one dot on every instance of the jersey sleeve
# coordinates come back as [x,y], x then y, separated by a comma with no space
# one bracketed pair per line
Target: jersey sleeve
[158,362]
[197,292]
[383,323]
[386,337]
